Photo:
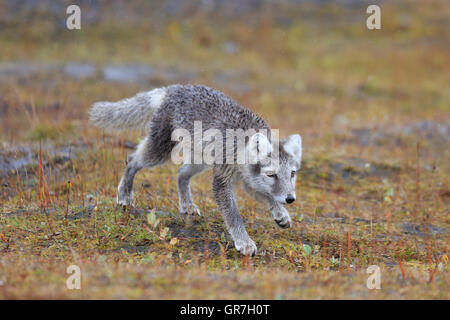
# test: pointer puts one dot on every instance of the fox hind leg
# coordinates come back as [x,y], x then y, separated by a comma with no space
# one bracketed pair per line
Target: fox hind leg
[125,188]
[147,155]
[135,163]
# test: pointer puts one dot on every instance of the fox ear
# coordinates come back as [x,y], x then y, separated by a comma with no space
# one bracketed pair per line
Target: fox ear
[258,148]
[293,146]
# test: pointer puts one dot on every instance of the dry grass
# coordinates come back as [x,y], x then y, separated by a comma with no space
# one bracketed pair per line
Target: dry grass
[373,188]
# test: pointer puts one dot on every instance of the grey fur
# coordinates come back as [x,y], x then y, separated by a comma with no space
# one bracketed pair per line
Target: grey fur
[179,107]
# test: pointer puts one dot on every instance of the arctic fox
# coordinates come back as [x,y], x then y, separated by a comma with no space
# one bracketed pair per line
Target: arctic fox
[268,173]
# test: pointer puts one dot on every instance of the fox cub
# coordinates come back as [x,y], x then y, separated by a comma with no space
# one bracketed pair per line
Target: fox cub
[267,169]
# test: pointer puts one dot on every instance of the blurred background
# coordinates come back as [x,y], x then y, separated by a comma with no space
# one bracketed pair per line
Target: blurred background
[304,65]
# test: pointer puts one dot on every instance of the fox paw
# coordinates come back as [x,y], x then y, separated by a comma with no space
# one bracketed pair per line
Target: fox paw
[190,209]
[246,247]
[282,217]
[123,202]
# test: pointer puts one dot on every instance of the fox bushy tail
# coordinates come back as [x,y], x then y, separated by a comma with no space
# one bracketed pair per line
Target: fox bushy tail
[130,113]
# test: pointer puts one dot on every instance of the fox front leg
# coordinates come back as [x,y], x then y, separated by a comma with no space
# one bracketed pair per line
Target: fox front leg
[279,213]
[224,196]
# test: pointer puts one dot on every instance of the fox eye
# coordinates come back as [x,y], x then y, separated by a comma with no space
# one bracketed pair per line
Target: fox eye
[271,174]
[293,173]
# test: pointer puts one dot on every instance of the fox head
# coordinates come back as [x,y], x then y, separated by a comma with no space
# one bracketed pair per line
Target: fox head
[273,174]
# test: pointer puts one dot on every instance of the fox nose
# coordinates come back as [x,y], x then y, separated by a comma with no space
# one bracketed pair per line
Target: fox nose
[290,198]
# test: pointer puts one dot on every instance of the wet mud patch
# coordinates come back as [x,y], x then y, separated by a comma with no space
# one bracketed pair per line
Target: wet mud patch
[19,166]
[407,229]
[428,132]
[191,234]
[350,170]
[188,230]
[423,230]
[25,160]
[131,73]
[357,168]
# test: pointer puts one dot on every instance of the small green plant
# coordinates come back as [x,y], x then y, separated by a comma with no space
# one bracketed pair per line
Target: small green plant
[306,250]
[152,220]
[334,262]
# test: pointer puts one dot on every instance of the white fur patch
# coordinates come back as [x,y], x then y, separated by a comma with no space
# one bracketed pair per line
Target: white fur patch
[130,113]
[293,146]
[123,201]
